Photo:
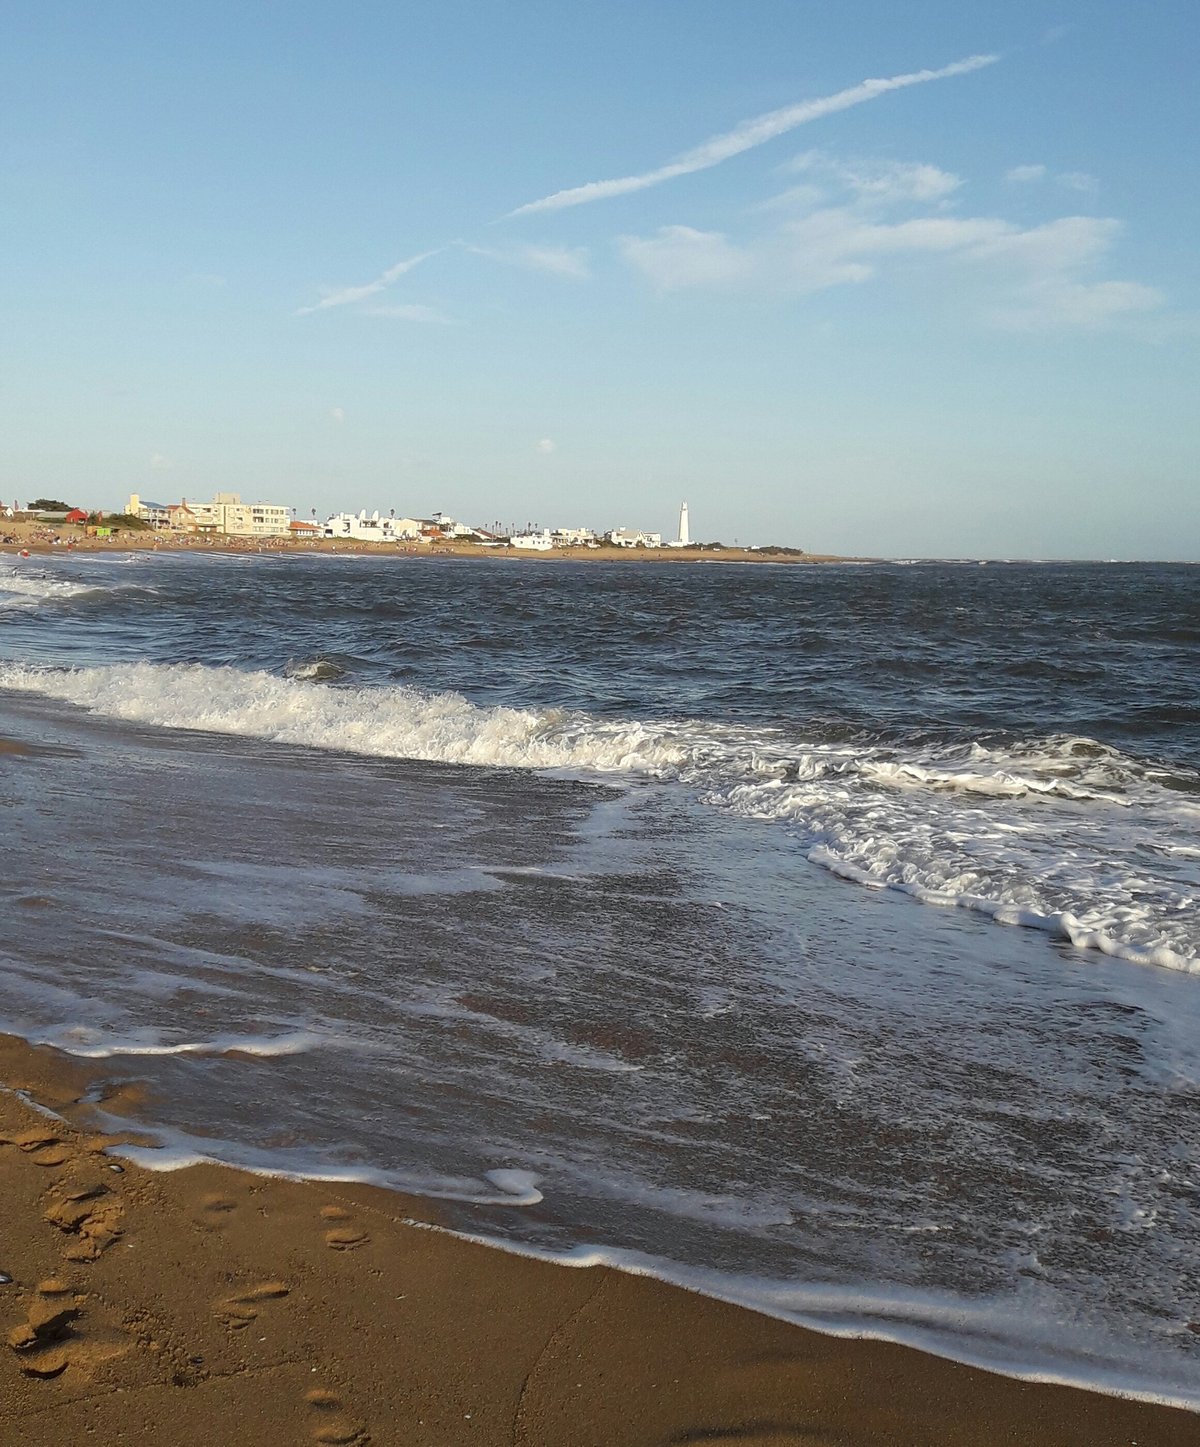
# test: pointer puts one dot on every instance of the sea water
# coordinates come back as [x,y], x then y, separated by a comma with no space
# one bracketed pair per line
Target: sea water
[650,913]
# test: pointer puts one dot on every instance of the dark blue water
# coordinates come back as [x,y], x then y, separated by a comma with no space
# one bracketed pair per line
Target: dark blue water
[595,900]
[947,651]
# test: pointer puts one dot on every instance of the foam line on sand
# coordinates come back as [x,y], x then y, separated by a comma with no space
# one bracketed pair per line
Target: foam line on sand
[205,1305]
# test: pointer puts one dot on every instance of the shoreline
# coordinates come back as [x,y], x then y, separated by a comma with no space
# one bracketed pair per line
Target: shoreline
[30,537]
[160,1305]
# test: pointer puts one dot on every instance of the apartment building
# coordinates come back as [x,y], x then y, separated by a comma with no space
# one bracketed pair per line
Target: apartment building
[226,513]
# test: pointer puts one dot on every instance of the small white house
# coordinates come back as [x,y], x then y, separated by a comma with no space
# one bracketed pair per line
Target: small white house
[534,542]
[373,529]
[632,538]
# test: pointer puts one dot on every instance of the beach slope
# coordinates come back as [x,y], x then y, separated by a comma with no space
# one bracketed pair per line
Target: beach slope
[210,1306]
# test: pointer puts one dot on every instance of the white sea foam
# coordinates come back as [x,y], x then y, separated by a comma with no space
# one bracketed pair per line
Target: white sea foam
[1058,834]
[984,1332]
[30,586]
[91,1044]
[175,1150]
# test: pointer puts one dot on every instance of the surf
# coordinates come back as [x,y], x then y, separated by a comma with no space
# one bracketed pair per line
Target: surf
[1052,833]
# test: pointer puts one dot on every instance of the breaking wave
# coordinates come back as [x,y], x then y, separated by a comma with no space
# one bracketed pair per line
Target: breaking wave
[31,587]
[1061,834]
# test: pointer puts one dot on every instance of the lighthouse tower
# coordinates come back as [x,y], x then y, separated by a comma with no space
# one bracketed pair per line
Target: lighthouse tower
[685,537]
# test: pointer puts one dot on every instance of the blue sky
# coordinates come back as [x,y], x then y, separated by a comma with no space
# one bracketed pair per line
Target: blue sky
[272,248]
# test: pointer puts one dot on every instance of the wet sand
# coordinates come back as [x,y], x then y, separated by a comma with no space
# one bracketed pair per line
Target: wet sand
[209,1306]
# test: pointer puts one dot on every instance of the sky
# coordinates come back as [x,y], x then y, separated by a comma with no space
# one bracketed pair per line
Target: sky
[859,278]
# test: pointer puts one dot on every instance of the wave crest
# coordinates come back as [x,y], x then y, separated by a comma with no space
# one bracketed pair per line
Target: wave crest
[1052,833]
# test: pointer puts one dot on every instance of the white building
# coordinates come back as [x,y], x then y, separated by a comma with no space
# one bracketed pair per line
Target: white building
[549,538]
[684,540]
[451,529]
[374,529]
[631,538]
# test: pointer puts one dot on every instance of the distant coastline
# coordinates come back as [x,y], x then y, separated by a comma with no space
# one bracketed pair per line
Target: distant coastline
[32,538]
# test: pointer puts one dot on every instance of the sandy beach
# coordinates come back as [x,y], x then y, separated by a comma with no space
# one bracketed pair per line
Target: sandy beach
[154,875]
[504,940]
[207,1306]
[38,538]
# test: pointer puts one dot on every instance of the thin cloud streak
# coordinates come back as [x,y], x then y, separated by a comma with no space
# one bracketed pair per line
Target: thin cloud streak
[567,261]
[413,311]
[747,135]
[349,294]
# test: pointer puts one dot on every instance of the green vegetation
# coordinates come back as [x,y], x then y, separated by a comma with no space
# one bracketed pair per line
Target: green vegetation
[49,504]
[125,520]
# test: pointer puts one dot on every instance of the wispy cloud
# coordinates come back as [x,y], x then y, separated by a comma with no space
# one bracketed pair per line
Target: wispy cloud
[567,261]
[338,414]
[747,135]
[882,182]
[347,294]
[413,311]
[1057,303]
[1021,278]
[1071,180]
[546,446]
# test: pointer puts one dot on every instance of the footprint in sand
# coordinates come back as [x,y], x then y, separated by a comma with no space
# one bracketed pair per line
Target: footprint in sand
[35,1139]
[42,1146]
[50,1156]
[49,1341]
[241,1308]
[343,1235]
[88,1210]
[39,1339]
[330,1423]
[214,1211]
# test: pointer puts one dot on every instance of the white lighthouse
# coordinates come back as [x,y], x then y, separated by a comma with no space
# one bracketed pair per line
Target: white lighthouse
[685,538]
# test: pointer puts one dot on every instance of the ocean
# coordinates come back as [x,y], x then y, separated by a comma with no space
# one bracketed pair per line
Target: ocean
[824,938]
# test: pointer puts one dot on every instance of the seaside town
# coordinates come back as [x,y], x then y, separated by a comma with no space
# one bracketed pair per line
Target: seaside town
[51,522]
[228,516]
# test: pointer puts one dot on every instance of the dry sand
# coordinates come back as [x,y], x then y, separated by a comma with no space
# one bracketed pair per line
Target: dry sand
[33,537]
[207,1306]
